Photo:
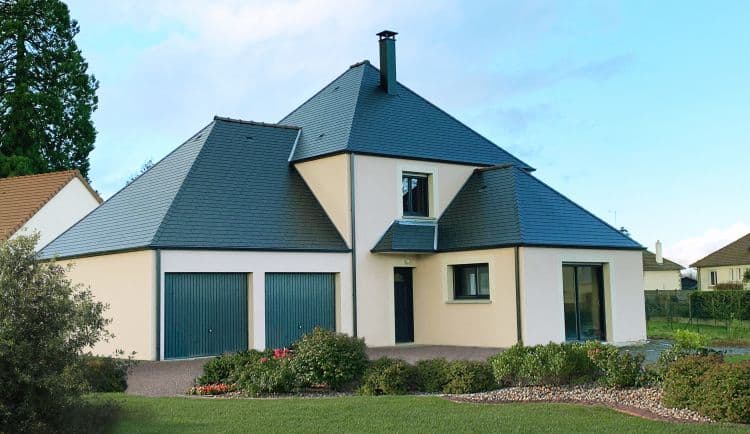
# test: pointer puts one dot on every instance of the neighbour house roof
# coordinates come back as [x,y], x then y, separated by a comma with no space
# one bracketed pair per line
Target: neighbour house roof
[354,114]
[650,264]
[407,237]
[734,253]
[23,196]
[228,187]
[507,206]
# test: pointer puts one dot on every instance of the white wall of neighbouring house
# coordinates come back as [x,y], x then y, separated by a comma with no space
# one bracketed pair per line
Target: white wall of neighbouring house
[70,204]
[256,264]
[661,280]
[378,202]
[542,305]
[127,283]
[724,274]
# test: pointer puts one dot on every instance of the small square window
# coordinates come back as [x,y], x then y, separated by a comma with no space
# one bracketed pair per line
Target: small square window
[471,281]
[415,195]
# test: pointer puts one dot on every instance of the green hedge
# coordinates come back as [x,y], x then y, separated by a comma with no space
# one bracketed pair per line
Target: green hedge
[720,305]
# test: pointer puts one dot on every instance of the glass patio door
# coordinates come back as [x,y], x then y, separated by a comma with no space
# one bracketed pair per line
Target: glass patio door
[583,297]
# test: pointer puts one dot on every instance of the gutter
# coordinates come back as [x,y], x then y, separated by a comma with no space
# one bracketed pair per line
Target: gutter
[353,244]
[519,333]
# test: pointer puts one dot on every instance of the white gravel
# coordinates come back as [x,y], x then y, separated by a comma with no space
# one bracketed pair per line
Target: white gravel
[644,401]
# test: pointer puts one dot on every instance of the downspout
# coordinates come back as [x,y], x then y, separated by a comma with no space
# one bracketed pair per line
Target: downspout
[519,333]
[354,245]
[158,304]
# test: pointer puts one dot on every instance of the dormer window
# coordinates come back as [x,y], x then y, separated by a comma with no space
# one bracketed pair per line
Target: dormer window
[414,187]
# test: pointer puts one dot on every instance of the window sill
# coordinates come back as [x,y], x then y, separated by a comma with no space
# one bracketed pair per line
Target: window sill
[477,301]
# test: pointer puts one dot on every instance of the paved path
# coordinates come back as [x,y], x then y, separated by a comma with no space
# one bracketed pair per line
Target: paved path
[175,377]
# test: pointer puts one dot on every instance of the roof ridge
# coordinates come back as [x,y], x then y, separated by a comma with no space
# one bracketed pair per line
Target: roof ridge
[354,112]
[576,204]
[157,233]
[315,94]
[732,243]
[256,123]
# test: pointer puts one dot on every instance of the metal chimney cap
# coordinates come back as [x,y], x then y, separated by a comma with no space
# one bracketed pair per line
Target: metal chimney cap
[387,34]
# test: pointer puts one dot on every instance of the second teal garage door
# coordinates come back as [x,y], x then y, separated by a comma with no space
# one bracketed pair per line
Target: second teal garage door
[296,303]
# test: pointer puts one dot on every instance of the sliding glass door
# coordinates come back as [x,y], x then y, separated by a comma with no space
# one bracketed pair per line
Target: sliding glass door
[583,296]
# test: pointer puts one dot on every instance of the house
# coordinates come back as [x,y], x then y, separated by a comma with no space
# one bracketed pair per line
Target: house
[367,210]
[47,203]
[726,265]
[660,273]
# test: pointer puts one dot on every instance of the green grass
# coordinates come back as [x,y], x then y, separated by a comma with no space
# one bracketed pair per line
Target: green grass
[737,358]
[659,328]
[374,414]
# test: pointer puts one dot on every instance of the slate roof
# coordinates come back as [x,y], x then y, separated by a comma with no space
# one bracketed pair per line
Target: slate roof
[23,196]
[507,206]
[734,253]
[649,263]
[411,237]
[353,114]
[228,187]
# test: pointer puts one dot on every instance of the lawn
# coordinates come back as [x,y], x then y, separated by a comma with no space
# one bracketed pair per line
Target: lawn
[737,358]
[374,414]
[659,328]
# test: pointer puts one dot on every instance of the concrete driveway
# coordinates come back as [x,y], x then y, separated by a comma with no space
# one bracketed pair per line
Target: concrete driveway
[175,377]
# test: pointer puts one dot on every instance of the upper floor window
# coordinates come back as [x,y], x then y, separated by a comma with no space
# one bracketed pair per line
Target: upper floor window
[415,195]
[471,281]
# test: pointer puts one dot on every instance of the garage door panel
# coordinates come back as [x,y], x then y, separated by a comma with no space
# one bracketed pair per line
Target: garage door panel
[204,314]
[296,303]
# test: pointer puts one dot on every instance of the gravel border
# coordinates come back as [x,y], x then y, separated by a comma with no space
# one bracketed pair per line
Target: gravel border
[644,402]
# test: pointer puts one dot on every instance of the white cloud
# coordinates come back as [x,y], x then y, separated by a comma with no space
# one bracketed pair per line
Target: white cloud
[689,250]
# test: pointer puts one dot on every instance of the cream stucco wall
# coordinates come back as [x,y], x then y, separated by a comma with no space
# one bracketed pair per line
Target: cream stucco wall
[256,264]
[328,178]
[542,293]
[127,282]
[661,280]
[69,205]
[378,203]
[724,274]
[440,320]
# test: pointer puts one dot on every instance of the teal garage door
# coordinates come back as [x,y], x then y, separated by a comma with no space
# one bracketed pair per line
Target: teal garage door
[205,314]
[296,303]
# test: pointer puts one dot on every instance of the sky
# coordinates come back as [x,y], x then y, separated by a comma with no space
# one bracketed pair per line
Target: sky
[639,110]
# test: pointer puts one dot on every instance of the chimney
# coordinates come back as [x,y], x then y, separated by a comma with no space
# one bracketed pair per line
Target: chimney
[387,42]
[659,258]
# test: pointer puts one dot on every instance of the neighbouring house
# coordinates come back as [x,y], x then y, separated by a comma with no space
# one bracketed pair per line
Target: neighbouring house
[48,203]
[726,265]
[688,283]
[367,210]
[659,273]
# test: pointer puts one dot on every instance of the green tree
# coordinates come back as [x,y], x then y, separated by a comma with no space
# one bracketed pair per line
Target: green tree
[46,95]
[46,323]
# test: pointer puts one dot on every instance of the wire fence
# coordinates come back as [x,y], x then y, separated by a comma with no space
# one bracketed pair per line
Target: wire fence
[717,308]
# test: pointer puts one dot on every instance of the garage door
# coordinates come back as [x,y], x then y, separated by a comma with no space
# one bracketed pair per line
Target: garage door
[296,303]
[205,314]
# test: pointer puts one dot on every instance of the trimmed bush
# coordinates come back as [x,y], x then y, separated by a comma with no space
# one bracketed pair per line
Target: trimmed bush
[729,286]
[432,375]
[387,376]
[690,340]
[327,358]
[225,368]
[724,393]
[616,368]
[683,379]
[266,375]
[469,377]
[551,364]
[106,374]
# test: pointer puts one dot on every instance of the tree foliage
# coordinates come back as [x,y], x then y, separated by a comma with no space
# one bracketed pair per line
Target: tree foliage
[46,95]
[45,325]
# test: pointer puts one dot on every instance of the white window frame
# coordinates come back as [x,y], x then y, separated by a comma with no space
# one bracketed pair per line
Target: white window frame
[713,277]
[415,168]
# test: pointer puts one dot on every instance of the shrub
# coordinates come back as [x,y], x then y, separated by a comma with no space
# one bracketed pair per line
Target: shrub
[264,375]
[725,393]
[387,376]
[690,340]
[333,359]
[616,368]
[551,364]
[224,368]
[106,374]
[212,389]
[729,286]
[683,379]
[46,322]
[432,375]
[466,376]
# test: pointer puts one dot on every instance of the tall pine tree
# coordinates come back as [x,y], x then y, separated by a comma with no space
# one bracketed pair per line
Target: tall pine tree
[46,95]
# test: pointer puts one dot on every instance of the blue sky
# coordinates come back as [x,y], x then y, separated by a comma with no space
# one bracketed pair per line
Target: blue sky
[639,111]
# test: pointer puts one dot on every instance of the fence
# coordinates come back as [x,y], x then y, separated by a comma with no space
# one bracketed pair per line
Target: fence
[721,307]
